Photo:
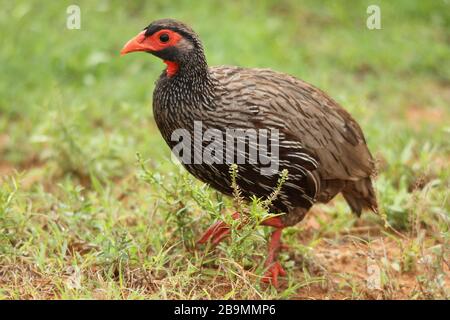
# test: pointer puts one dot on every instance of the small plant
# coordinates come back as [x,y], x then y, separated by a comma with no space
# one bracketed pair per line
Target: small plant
[246,235]
[259,208]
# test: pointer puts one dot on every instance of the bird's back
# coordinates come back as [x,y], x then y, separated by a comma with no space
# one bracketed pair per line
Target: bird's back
[316,133]
[305,114]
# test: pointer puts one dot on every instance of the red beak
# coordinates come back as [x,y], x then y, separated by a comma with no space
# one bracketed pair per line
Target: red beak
[136,44]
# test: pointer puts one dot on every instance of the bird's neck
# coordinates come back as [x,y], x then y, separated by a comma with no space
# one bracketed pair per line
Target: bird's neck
[192,68]
[181,99]
[186,83]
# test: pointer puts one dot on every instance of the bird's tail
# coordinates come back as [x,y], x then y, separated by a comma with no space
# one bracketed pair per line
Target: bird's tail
[360,195]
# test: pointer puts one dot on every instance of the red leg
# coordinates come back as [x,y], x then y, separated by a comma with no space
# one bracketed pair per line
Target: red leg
[274,267]
[220,230]
[276,223]
[273,222]
[217,232]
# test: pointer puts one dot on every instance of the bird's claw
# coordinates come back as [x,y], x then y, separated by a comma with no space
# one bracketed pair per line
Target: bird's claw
[271,275]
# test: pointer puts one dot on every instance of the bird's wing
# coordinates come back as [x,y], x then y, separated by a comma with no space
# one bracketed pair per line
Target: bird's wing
[307,118]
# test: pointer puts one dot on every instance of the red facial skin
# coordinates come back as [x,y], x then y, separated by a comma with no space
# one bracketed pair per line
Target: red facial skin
[153,43]
[172,68]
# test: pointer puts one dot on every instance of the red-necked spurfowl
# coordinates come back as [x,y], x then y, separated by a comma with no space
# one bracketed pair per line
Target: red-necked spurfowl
[318,142]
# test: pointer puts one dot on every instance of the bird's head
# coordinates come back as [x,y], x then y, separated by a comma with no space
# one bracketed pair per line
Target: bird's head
[172,41]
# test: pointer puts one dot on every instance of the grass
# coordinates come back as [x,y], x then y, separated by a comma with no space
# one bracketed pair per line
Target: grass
[81,217]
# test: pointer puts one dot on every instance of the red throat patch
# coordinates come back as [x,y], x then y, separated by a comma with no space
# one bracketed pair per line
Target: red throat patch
[172,68]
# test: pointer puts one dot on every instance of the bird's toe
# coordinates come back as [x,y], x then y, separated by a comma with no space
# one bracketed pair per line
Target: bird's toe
[272,273]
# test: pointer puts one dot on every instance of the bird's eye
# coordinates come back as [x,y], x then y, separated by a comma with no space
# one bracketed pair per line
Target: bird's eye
[164,37]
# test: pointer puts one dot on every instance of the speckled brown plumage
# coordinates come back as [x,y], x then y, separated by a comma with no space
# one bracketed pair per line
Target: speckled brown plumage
[321,145]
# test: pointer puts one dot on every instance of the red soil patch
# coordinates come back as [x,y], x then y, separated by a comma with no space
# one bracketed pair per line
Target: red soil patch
[374,269]
[417,115]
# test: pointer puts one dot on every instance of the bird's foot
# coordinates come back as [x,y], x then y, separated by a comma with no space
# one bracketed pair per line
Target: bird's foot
[274,268]
[217,232]
[271,275]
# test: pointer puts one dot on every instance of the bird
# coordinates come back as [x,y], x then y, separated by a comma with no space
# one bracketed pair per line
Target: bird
[320,145]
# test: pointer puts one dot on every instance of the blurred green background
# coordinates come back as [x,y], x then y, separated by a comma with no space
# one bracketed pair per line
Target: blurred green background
[73,113]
